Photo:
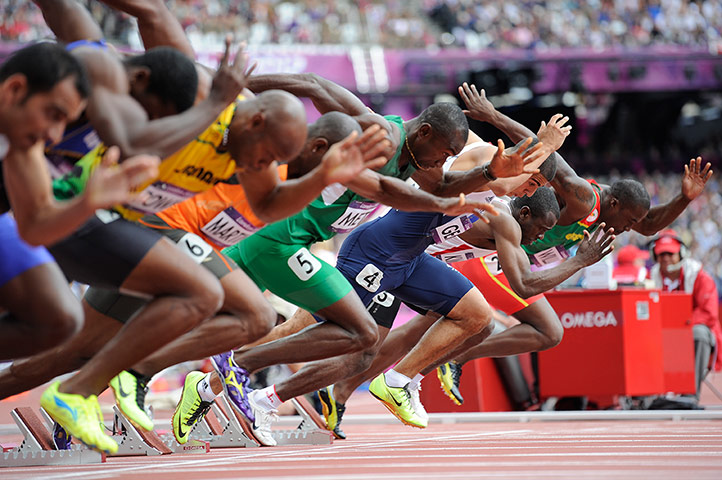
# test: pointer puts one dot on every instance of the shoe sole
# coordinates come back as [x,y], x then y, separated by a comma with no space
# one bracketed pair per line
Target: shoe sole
[326,413]
[447,392]
[393,412]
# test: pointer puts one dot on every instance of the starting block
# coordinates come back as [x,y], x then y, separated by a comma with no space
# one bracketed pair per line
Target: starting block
[311,431]
[38,448]
[223,427]
[136,441]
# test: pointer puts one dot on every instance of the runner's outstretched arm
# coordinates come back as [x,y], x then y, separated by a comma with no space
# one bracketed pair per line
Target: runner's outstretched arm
[272,200]
[121,121]
[503,164]
[156,24]
[693,182]
[44,221]
[514,261]
[400,195]
[69,20]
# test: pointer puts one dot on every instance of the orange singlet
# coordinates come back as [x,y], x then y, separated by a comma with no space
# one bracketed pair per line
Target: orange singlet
[221,215]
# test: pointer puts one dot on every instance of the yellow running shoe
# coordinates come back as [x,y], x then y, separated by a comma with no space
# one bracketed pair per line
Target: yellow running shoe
[190,409]
[397,400]
[450,376]
[332,412]
[130,393]
[78,416]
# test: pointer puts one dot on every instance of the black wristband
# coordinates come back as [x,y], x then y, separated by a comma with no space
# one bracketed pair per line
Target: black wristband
[487,174]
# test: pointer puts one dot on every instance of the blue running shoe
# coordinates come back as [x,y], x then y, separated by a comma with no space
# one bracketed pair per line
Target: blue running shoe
[235,383]
[61,438]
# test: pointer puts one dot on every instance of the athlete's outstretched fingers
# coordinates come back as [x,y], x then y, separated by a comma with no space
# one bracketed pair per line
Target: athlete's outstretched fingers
[226,52]
[480,208]
[111,157]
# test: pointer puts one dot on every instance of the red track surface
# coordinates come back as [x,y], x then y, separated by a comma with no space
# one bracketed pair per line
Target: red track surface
[673,450]
[604,449]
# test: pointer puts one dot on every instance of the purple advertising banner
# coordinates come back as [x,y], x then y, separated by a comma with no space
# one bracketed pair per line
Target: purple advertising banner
[411,72]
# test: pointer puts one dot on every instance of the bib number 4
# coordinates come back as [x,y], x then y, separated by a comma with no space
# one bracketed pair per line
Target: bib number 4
[304,264]
[370,278]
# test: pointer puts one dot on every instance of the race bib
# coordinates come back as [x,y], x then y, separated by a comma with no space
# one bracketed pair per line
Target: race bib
[304,264]
[457,256]
[370,278]
[355,214]
[385,299]
[228,227]
[550,256]
[492,263]
[159,196]
[453,228]
[195,247]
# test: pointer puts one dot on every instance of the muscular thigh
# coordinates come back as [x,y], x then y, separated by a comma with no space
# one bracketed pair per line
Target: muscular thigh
[290,271]
[104,251]
[433,285]
[494,285]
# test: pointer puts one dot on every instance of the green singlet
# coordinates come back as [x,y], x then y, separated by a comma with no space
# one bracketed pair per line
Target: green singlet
[556,242]
[277,256]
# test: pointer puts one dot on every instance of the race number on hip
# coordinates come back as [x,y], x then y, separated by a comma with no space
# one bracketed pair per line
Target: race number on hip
[304,264]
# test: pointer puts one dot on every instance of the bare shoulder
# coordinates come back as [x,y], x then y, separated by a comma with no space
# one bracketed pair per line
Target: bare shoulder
[104,68]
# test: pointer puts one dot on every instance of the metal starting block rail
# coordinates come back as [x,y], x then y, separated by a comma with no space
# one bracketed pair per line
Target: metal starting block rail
[38,448]
[223,427]
[136,441]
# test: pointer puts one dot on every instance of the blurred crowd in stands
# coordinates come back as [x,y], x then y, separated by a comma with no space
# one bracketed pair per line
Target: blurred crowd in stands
[532,24]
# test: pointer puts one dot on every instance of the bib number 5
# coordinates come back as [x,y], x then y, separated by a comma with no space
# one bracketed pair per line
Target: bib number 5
[304,264]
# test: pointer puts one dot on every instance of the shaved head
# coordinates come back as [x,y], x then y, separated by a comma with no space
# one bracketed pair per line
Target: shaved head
[334,127]
[285,118]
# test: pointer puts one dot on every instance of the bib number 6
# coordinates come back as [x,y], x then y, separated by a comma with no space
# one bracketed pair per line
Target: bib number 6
[194,246]
[304,264]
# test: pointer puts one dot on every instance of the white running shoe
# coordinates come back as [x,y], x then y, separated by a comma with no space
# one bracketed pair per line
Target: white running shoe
[416,402]
[263,418]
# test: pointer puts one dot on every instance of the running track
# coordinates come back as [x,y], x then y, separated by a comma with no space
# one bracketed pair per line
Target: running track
[690,449]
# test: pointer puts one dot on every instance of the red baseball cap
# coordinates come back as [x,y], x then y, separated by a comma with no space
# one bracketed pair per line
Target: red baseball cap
[667,243]
[630,253]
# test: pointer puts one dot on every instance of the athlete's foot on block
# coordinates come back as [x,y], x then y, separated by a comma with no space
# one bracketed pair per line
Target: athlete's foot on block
[235,383]
[130,391]
[397,400]
[61,438]
[450,378]
[416,402]
[264,416]
[191,407]
[78,416]
[332,412]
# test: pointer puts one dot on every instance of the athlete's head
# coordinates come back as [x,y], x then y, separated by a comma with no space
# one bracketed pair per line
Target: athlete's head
[330,128]
[42,87]
[438,133]
[536,214]
[163,81]
[547,171]
[270,127]
[623,205]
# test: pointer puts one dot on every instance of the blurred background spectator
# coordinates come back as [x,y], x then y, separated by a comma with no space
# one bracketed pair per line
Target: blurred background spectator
[529,24]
